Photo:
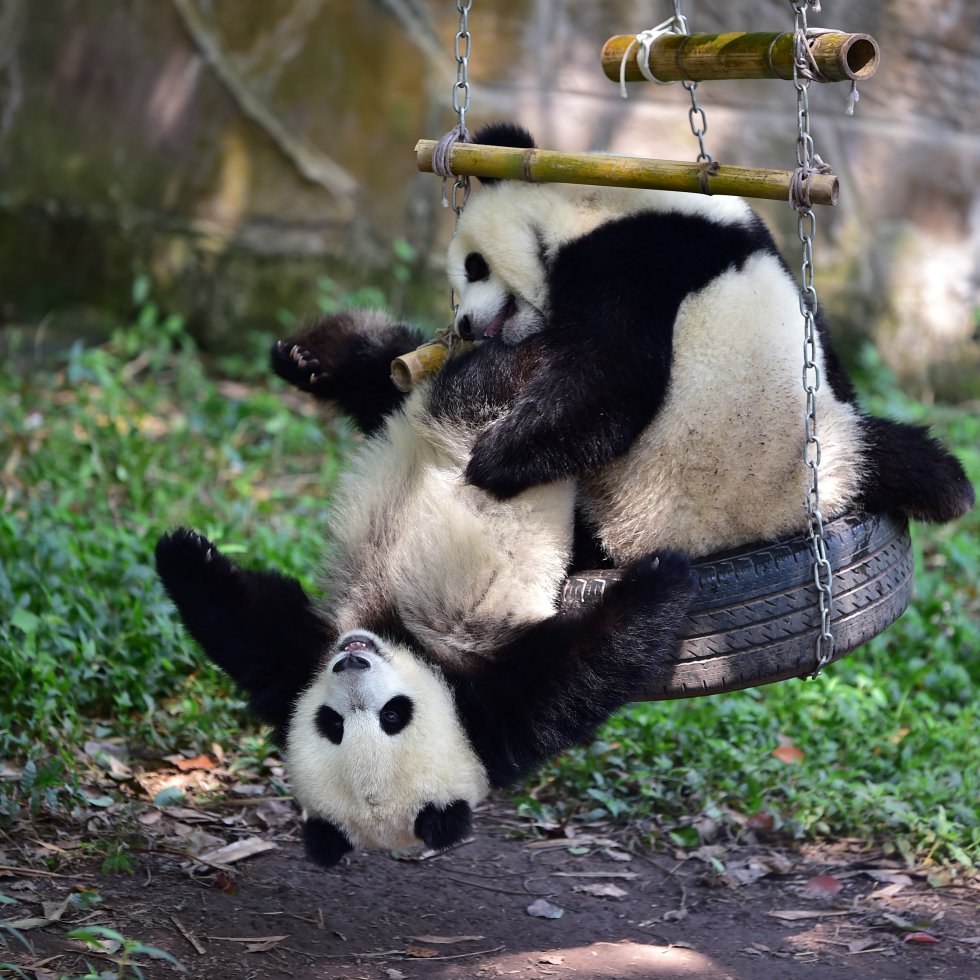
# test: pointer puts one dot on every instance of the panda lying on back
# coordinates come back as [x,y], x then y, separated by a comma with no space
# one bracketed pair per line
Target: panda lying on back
[671,385]
[439,666]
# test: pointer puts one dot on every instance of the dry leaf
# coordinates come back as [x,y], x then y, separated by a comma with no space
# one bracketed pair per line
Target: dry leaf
[920,937]
[551,960]
[446,940]
[761,821]
[614,855]
[892,877]
[888,891]
[198,762]
[543,909]
[788,753]
[239,850]
[602,891]
[420,952]
[264,945]
[249,939]
[824,885]
[393,974]
[792,915]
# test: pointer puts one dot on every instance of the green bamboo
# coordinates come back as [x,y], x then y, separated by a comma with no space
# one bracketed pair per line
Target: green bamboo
[699,57]
[550,166]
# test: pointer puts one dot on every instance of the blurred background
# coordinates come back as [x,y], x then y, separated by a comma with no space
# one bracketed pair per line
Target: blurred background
[253,159]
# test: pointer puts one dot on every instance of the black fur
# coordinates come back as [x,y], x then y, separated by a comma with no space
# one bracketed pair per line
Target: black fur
[562,678]
[441,827]
[338,360]
[603,361]
[503,134]
[258,627]
[910,473]
[325,843]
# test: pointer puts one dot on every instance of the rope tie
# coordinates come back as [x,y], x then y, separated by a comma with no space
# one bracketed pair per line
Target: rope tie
[441,153]
[799,186]
[706,169]
[644,40]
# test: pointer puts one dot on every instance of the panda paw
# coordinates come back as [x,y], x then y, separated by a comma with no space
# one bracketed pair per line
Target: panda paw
[298,366]
[658,587]
[185,558]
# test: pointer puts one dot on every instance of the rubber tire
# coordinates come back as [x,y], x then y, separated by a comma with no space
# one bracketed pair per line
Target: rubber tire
[755,618]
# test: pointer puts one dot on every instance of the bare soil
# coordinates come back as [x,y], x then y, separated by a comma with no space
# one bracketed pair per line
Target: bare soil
[736,911]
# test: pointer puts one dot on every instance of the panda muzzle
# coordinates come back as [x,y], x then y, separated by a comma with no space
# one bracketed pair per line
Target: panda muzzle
[352,649]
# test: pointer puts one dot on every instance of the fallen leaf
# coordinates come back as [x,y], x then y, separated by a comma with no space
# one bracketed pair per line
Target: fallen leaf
[788,753]
[249,939]
[606,890]
[445,940]
[198,762]
[614,855]
[919,937]
[860,945]
[551,960]
[393,974]
[675,915]
[543,909]
[792,915]
[420,952]
[892,877]
[888,891]
[239,850]
[264,945]
[761,821]
[824,885]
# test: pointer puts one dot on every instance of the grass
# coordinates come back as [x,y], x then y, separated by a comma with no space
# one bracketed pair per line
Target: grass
[100,456]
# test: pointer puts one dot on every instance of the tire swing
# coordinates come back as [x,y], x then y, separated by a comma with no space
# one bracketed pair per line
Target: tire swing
[777,610]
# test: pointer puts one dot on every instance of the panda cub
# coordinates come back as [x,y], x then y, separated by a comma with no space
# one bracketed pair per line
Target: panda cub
[438,666]
[671,384]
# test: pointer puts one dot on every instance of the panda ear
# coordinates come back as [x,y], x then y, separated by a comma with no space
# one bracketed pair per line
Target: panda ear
[503,134]
[441,827]
[325,843]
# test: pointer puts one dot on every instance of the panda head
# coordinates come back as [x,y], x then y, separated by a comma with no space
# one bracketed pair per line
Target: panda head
[377,754]
[498,259]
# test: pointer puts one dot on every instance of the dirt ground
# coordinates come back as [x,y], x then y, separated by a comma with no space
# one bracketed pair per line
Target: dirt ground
[746,911]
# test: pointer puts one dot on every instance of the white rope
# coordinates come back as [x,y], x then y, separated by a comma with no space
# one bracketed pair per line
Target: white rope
[645,41]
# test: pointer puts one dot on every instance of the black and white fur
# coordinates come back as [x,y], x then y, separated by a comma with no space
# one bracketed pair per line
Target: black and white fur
[439,666]
[671,384]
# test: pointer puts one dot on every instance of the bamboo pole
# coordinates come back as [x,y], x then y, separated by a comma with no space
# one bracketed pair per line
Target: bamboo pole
[550,166]
[701,57]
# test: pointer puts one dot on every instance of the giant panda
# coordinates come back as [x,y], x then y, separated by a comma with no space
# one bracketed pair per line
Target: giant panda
[439,665]
[671,384]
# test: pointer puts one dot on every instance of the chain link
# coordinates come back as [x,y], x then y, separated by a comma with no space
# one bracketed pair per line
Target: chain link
[695,115]
[807,160]
[462,45]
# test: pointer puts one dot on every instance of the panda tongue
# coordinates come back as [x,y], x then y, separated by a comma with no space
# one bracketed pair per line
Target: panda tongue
[495,325]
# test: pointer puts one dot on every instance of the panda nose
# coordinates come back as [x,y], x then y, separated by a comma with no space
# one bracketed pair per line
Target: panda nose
[464,327]
[351,661]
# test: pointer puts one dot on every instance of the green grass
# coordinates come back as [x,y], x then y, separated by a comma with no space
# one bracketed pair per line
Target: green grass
[100,456]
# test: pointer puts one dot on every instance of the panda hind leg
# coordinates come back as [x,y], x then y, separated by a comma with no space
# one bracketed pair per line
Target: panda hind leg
[346,358]
[909,472]
[259,627]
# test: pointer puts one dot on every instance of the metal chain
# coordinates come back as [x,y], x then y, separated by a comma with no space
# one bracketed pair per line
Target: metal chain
[461,103]
[808,161]
[695,115]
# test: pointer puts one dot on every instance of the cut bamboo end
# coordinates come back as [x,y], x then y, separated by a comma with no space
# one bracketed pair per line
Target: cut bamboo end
[704,57]
[551,166]
[409,369]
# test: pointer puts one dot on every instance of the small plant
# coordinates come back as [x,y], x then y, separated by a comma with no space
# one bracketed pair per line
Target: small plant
[121,951]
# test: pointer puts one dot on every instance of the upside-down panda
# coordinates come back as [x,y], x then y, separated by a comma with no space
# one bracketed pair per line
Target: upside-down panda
[671,387]
[438,666]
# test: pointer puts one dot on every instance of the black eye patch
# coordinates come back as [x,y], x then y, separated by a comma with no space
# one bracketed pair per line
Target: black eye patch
[396,714]
[476,267]
[329,724]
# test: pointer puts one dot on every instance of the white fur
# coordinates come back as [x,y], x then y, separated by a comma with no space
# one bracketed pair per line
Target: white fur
[461,568]
[463,572]
[373,785]
[722,463]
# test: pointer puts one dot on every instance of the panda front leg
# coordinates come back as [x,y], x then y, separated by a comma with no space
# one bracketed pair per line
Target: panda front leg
[562,678]
[260,628]
[346,359]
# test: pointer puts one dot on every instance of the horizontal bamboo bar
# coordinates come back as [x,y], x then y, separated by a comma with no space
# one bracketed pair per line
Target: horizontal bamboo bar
[700,57]
[550,166]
